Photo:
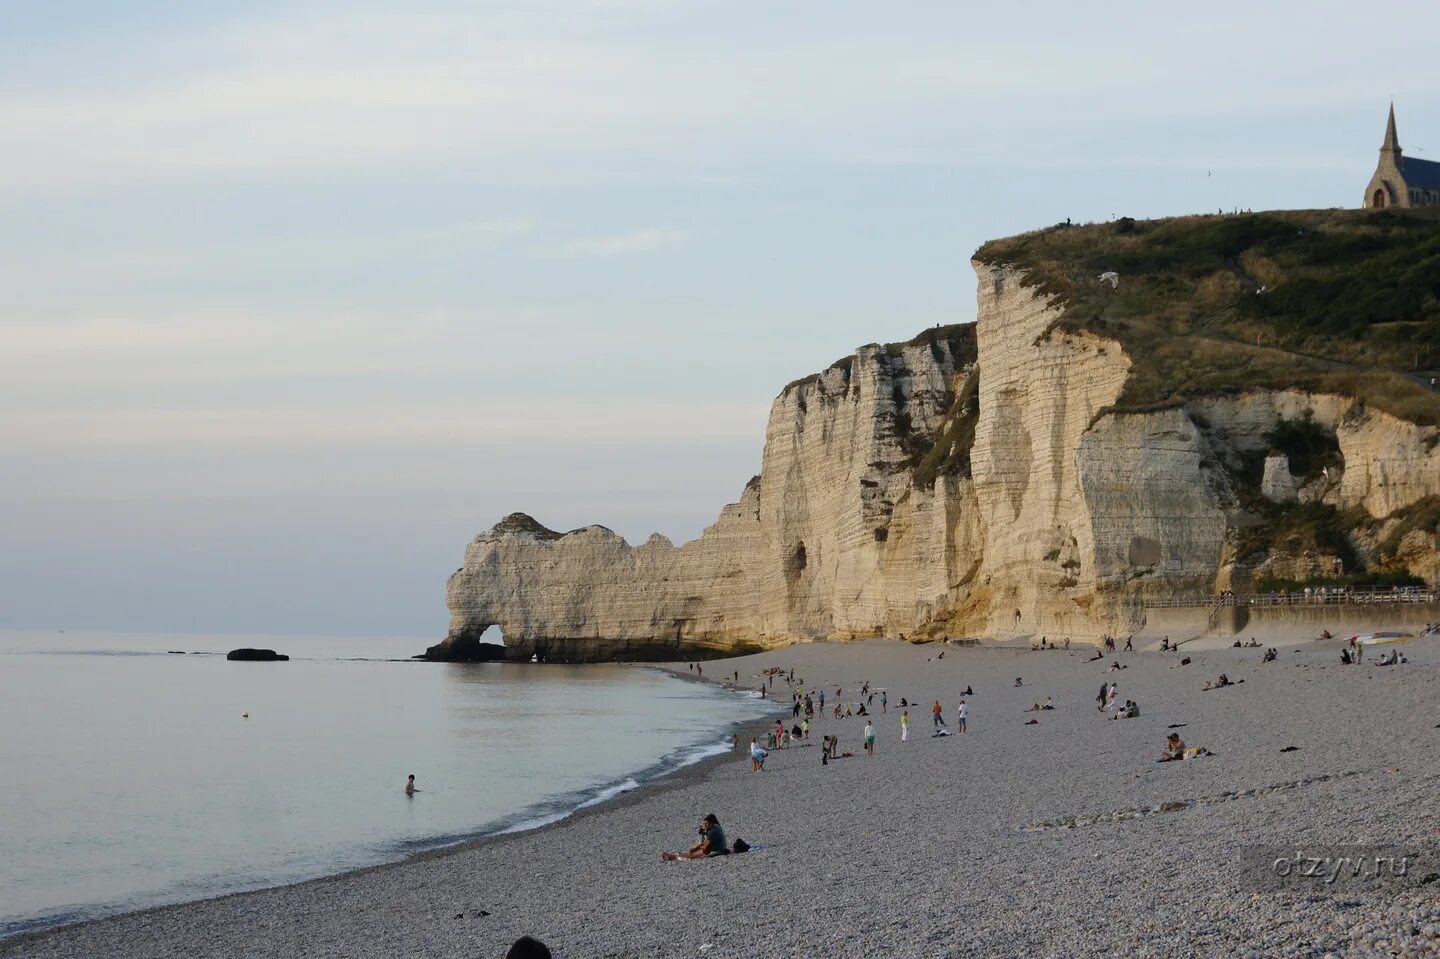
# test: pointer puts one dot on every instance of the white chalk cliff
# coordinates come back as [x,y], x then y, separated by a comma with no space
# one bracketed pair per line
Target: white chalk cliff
[975,481]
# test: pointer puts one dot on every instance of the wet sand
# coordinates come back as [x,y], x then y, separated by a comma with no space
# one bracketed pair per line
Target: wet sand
[1062,838]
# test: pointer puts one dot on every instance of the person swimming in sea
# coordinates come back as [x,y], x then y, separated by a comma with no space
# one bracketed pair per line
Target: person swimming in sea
[410,789]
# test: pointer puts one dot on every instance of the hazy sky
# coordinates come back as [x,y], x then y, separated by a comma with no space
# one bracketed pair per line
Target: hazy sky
[295,298]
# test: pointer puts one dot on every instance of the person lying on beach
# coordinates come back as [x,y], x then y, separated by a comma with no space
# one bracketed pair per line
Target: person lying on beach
[1049,703]
[1032,708]
[712,842]
[1099,654]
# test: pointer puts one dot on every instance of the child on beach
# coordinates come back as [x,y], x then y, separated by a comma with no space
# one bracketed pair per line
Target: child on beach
[905,725]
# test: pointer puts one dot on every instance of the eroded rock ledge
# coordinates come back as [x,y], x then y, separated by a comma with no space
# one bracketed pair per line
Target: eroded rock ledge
[977,480]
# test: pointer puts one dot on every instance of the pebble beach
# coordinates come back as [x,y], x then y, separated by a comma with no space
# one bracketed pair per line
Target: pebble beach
[1054,839]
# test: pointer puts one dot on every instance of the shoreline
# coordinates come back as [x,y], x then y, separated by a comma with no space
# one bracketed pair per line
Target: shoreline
[509,828]
[1011,839]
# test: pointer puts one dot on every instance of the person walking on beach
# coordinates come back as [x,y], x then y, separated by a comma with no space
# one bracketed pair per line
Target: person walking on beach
[869,738]
[805,729]
[937,715]
[779,732]
[757,757]
[904,725]
[964,713]
[822,700]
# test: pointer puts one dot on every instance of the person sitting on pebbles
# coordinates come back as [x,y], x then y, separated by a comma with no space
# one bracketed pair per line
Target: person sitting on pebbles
[712,842]
[1174,749]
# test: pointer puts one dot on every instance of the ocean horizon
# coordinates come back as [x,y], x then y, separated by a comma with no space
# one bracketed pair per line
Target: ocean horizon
[148,770]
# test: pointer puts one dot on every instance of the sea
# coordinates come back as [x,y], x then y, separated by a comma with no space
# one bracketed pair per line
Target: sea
[140,770]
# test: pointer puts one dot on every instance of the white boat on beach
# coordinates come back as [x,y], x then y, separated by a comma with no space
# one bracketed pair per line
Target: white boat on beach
[1380,638]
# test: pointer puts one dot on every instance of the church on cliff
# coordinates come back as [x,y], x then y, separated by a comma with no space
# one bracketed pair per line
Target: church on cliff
[1400,180]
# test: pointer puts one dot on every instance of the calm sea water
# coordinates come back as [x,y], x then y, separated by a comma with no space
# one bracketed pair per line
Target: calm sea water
[132,778]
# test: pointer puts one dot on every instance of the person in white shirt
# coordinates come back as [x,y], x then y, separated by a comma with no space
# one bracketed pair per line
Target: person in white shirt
[964,713]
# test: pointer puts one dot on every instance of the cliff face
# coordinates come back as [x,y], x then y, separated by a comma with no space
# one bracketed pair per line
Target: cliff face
[977,480]
[832,538]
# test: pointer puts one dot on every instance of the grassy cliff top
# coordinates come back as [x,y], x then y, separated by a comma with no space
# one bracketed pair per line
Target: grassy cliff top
[1342,301]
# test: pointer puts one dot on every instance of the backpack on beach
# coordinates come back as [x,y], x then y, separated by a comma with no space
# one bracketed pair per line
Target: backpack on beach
[741,846]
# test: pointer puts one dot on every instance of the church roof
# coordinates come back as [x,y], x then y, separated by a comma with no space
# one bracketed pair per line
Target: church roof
[1392,141]
[1423,174]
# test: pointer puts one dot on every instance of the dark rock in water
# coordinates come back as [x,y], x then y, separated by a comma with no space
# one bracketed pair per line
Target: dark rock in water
[177,652]
[248,655]
[469,652]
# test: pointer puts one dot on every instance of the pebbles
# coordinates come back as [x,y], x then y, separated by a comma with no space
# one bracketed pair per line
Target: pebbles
[916,852]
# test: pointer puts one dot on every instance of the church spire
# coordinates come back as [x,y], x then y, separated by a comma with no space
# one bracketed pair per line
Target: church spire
[1392,141]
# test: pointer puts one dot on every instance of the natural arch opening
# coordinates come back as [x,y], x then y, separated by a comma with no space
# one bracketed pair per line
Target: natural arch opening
[493,634]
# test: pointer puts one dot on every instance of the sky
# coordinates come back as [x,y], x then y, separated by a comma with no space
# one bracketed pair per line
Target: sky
[296,298]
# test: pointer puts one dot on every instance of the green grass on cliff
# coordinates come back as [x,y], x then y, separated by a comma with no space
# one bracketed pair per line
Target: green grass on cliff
[1350,301]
